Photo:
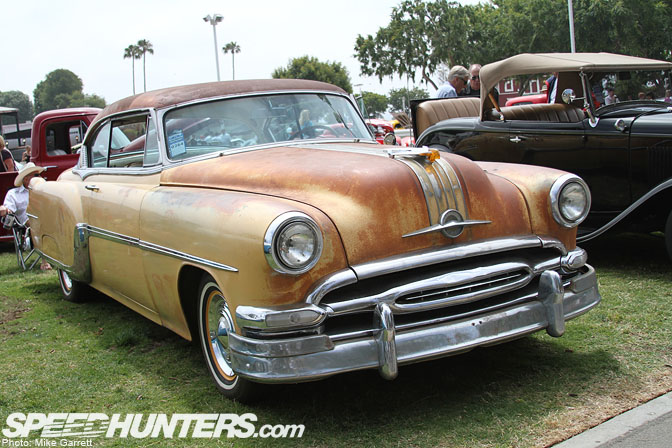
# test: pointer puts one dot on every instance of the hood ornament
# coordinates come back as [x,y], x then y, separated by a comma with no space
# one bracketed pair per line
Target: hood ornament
[430,153]
[451,224]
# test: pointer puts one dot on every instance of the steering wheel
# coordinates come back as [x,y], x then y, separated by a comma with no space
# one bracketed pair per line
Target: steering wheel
[311,130]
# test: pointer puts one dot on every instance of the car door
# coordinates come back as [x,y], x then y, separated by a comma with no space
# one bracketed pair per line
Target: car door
[472,138]
[605,165]
[114,185]
[550,144]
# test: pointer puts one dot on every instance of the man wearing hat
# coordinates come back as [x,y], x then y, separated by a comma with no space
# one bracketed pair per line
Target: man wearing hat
[16,200]
[458,77]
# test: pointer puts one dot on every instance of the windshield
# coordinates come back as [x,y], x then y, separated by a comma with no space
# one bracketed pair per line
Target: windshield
[240,122]
[624,86]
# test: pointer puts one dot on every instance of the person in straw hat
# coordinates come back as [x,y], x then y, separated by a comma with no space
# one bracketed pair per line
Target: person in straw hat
[16,200]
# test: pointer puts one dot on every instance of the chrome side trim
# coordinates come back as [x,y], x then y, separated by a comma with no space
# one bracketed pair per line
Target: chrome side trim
[657,189]
[151,247]
[81,267]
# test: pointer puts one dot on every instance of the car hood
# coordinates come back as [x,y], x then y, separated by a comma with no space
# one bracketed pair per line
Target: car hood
[372,199]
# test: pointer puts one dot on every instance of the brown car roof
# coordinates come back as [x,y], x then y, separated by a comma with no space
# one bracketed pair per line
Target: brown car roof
[176,95]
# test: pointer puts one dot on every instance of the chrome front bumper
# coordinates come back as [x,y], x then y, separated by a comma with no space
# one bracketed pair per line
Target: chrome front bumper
[313,357]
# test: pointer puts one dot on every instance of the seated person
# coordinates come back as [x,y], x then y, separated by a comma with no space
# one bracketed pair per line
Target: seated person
[16,200]
[7,160]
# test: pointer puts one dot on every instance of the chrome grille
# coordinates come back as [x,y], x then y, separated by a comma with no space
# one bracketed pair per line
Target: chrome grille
[450,290]
[489,286]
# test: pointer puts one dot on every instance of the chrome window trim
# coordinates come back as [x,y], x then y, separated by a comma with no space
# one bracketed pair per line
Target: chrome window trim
[161,113]
[158,114]
[85,171]
[81,268]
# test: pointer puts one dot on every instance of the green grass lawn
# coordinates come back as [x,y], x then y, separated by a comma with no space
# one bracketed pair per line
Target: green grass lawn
[56,356]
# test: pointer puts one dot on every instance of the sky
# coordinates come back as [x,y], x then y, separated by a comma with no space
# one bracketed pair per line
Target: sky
[89,38]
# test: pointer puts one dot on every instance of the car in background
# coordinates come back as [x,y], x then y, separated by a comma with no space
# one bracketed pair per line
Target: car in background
[622,150]
[291,253]
[537,98]
[55,136]
[383,131]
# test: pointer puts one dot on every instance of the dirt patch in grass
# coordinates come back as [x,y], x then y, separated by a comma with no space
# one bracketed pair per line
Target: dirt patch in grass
[12,312]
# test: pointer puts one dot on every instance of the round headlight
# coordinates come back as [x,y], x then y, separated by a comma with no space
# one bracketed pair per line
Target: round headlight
[570,200]
[293,243]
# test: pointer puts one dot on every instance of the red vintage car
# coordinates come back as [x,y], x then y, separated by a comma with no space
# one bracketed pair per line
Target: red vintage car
[54,133]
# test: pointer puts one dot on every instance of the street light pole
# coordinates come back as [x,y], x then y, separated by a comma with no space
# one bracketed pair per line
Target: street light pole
[214,20]
[571,25]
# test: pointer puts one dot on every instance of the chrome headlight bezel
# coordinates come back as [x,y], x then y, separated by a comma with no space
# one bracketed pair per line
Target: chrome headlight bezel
[274,235]
[558,190]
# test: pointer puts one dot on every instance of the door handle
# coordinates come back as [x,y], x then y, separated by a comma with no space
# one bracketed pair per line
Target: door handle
[516,139]
[92,187]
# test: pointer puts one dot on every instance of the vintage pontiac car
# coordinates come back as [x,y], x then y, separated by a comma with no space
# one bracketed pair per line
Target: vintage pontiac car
[295,251]
[622,150]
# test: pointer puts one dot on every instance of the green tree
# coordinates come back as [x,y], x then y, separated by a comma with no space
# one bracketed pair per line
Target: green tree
[400,99]
[375,103]
[78,99]
[62,88]
[145,47]
[133,52]
[18,100]
[233,48]
[421,35]
[57,82]
[638,28]
[308,67]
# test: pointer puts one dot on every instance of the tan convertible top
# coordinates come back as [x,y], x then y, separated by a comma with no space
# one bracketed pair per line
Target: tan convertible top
[531,63]
[176,95]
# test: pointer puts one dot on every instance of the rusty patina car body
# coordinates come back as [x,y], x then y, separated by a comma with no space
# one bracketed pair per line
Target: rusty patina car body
[295,249]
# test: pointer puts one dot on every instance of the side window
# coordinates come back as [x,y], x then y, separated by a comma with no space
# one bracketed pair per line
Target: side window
[127,143]
[61,138]
[100,146]
[151,145]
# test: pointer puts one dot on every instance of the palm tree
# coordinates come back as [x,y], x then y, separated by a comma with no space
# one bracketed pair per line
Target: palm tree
[145,46]
[233,48]
[132,52]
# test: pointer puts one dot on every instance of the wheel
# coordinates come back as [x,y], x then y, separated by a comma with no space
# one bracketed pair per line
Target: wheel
[215,323]
[73,291]
[668,235]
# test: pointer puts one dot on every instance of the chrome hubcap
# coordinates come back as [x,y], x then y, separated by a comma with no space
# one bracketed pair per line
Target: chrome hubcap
[67,282]
[220,323]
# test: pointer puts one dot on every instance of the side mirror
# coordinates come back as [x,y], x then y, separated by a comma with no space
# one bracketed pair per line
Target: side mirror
[568,96]
[390,139]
